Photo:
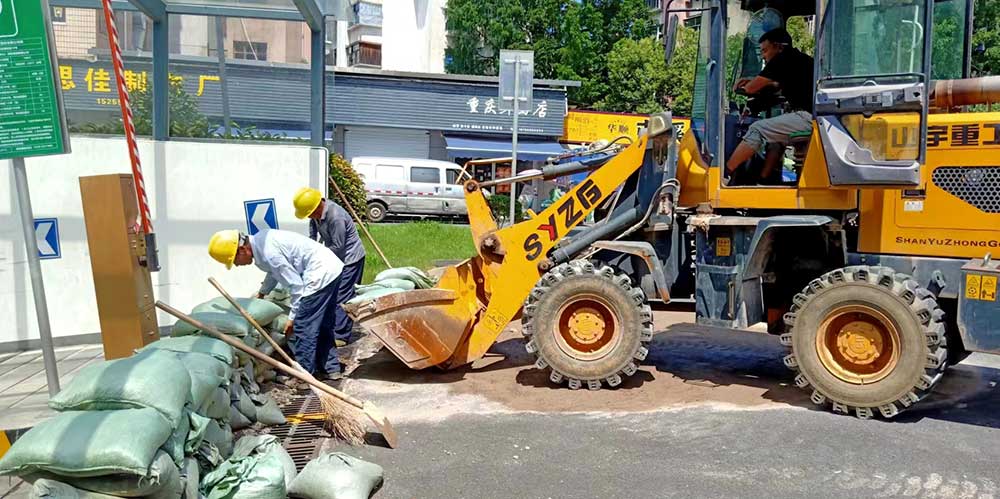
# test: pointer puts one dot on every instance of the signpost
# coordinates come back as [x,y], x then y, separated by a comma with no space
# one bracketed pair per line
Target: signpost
[517,72]
[32,123]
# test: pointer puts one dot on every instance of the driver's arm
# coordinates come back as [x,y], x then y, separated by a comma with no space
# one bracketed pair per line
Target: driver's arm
[758,84]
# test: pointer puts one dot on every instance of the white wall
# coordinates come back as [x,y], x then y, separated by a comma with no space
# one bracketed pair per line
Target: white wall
[194,189]
[413,35]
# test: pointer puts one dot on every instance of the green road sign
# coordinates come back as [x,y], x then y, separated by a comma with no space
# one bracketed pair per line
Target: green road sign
[31,118]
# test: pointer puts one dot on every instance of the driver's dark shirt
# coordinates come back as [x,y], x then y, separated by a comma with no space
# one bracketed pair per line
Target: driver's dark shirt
[793,71]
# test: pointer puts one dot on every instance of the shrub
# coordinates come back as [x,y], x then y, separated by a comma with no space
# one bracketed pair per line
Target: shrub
[350,183]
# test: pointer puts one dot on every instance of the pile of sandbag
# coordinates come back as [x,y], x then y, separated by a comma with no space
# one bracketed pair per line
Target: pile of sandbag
[391,281]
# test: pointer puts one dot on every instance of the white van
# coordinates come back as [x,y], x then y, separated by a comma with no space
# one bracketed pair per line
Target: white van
[406,186]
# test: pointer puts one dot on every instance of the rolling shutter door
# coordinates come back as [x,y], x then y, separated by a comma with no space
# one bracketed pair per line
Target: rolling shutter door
[386,142]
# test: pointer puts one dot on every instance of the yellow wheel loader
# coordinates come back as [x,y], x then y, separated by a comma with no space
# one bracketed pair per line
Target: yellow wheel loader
[869,255]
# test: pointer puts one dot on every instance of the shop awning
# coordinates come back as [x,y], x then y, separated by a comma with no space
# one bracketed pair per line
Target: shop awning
[481,148]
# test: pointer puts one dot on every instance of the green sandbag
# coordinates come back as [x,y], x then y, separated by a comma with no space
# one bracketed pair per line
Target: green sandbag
[150,379]
[191,478]
[217,406]
[413,274]
[266,444]
[262,311]
[203,387]
[89,443]
[206,364]
[280,297]
[375,293]
[223,322]
[237,420]
[277,326]
[243,403]
[199,424]
[176,445]
[197,344]
[251,477]
[221,436]
[161,481]
[337,476]
[387,283]
[44,488]
[269,414]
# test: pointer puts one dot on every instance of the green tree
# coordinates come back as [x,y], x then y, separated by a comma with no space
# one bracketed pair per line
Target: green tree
[679,84]
[570,38]
[986,35]
[803,38]
[637,77]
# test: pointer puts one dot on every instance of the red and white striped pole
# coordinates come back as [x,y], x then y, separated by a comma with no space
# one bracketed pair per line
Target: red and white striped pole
[146,224]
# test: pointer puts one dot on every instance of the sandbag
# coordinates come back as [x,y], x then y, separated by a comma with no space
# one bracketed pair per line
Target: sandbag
[223,322]
[269,414]
[191,478]
[161,481]
[412,274]
[262,311]
[198,344]
[248,382]
[251,477]
[243,402]
[375,293]
[221,436]
[237,420]
[45,488]
[217,406]
[205,364]
[199,424]
[387,283]
[176,445]
[149,379]
[90,443]
[266,444]
[203,387]
[337,476]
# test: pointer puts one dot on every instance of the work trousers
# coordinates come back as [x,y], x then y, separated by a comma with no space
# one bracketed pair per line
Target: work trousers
[313,330]
[350,276]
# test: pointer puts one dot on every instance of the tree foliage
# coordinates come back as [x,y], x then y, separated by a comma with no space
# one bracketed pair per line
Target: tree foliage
[986,36]
[571,39]
[350,183]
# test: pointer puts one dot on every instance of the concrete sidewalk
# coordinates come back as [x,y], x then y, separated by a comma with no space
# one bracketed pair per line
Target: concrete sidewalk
[24,391]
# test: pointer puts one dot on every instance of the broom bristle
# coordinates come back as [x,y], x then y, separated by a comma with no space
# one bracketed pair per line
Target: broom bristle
[343,420]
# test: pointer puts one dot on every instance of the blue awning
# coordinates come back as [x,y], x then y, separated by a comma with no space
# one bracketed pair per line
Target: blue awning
[480,148]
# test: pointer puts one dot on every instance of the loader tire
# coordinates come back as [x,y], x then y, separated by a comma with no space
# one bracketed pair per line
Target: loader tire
[866,341]
[587,324]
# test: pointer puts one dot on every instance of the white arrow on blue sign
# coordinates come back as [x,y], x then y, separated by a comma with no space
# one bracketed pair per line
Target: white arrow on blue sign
[260,215]
[47,237]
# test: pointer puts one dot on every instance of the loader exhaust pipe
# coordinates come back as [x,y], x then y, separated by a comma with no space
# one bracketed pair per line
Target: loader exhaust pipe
[947,94]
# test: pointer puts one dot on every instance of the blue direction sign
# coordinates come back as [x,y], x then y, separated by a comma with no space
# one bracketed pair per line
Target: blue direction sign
[47,237]
[260,215]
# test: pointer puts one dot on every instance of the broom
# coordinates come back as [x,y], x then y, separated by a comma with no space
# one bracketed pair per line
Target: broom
[347,428]
[341,409]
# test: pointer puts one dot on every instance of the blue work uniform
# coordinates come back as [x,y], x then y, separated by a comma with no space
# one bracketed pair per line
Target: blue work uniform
[336,230]
[311,274]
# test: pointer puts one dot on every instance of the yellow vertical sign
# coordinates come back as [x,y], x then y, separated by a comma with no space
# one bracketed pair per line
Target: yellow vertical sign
[989,285]
[973,286]
[723,246]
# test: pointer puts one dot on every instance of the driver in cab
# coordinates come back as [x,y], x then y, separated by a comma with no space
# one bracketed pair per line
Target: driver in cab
[787,70]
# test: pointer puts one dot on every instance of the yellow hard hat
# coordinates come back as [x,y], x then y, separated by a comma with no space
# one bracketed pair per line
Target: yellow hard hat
[223,245]
[306,201]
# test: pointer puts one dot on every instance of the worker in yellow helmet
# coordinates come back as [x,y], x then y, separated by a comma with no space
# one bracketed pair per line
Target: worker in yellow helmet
[330,224]
[310,272]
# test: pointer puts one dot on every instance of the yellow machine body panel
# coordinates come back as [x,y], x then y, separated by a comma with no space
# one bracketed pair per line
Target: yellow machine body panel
[953,213]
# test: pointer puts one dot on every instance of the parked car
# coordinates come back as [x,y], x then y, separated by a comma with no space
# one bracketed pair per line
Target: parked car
[406,186]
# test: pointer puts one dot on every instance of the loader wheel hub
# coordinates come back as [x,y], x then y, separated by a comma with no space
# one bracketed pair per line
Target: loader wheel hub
[858,344]
[587,328]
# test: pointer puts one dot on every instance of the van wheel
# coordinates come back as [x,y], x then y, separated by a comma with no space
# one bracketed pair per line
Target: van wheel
[376,211]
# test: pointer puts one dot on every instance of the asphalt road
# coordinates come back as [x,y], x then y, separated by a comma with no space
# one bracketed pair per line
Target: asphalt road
[712,414]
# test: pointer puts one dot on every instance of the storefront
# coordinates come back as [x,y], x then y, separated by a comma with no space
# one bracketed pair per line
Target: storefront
[372,113]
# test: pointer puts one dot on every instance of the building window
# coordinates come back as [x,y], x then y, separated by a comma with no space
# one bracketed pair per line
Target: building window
[364,54]
[58,14]
[254,51]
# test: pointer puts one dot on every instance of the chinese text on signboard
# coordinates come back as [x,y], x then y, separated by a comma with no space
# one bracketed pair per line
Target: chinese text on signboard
[30,122]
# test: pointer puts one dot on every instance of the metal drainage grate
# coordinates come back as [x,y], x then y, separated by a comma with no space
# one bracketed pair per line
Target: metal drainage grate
[303,434]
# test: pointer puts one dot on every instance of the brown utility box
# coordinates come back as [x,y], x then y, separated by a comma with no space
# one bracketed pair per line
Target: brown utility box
[122,283]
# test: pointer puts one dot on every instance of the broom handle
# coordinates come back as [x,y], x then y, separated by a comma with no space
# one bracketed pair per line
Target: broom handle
[246,315]
[291,371]
[357,219]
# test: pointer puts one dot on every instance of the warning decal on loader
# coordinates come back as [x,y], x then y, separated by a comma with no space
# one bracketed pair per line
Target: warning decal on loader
[989,292]
[723,246]
[981,287]
[973,286]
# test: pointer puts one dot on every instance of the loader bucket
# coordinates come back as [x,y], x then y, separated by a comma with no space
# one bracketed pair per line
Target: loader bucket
[423,327]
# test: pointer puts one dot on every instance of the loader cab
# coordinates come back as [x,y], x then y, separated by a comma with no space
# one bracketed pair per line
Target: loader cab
[872,66]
